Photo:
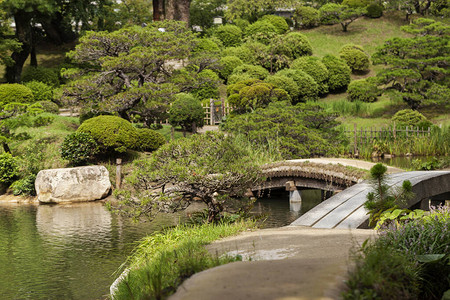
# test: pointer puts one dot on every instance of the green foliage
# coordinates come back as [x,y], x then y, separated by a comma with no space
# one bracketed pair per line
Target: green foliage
[383,197]
[252,71]
[432,163]
[149,140]
[250,94]
[24,186]
[278,22]
[186,111]
[298,43]
[423,26]
[40,90]
[261,31]
[41,74]
[308,89]
[42,120]
[9,169]
[306,17]
[111,133]
[363,90]
[14,92]
[286,83]
[241,23]
[210,166]
[355,57]
[303,130]
[409,117]
[329,13]
[395,216]
[338,71]
[356,3]
[205,45]
[202,13]
[49,106]
[374,10]
[79,148]
[332,13]
[228,64]
[229,35]
[314,68]
[209,89]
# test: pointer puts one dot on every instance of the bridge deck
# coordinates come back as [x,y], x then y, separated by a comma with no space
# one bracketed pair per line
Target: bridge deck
[345,210]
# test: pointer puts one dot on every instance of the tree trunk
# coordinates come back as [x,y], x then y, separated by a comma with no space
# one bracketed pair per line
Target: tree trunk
[344,27]
[33,57]
[158,10]
[6,148]
[170,10]
[23,34]
[183,10]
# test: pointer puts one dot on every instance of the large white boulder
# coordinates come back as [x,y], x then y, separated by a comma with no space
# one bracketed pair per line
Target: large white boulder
[72,184]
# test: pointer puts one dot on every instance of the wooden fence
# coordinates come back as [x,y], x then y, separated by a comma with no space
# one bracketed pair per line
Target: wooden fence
[363,136]
[214,113]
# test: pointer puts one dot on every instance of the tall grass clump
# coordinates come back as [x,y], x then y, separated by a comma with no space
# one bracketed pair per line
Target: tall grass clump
[348,108]
[163,260]
[408,260]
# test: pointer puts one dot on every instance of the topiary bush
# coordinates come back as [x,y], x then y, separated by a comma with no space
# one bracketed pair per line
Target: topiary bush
[327,13]
[9,169]
[374,10]
[363,90]
[243,52]
[186,111]
[339,73]
[42,120]
[45,75]
[209,87]
[356,3]
[229,35]
[261,31]
[298,43]
[49,106]
[113,134]
[256,72]
[149,140]
[40,90]
[286,83]
[205,45]
[228,64]
[306,17]
[278,22]
[409,117]
[308,89]
[14,92]
[314,68]
[355,57]
[79,148]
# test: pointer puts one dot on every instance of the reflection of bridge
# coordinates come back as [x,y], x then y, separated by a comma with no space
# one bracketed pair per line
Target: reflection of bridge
[345,210]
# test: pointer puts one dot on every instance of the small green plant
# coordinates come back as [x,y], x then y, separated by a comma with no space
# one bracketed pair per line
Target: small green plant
[24,186]
[363,90]
[49,106]
[409,117]
[78,148]
[41,91]
[228,64]
[280,24]
[42,120]
[9,169]
[261,31]
[382,197]
[306,17]
[149,140]
[229,35]
[15,93]
[339,73]
[187,112]
[374,10]
[41,74]
[355,57]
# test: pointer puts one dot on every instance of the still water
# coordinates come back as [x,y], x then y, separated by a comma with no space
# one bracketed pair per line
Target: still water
[72,251]
[64,251]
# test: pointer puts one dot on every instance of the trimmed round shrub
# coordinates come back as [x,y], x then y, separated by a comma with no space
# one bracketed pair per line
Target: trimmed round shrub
[112,133]
[356,3]
[298,43]
[45,75]
[40,90]
[229,35]
[256,72]
[235,78]
[355,57]
[362,90]
[9,169]
[278,22]
[209,87]
[374,11]
[261,31]
[409,117]
[314,68]
[49,106]
[149,140]
[205,45]
[308,89]
[228,64]
[286,83]
[327,13]
[79,148]
[339,73]
[243,52]
[185,111]
[241,23]
[306,17]
[14,92]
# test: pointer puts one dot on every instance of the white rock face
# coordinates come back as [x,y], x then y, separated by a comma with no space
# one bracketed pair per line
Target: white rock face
[72,184]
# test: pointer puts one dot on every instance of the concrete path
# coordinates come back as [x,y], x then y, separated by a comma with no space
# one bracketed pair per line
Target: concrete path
[286,263]
[361,164]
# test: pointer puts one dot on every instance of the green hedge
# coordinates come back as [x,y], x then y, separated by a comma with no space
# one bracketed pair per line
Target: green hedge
[14,92]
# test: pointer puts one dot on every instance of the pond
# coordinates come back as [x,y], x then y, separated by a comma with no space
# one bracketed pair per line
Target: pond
[64,251]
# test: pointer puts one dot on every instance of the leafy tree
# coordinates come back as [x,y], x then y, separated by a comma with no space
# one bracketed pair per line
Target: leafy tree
[252,10]
[302,130]
[187,112]
[211,167]
[333,13]
[203,12]
[261,31]
[417,68]
[412,6]
[229,35]
[306,17]
[278,22]
[132,71]
[339,73]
